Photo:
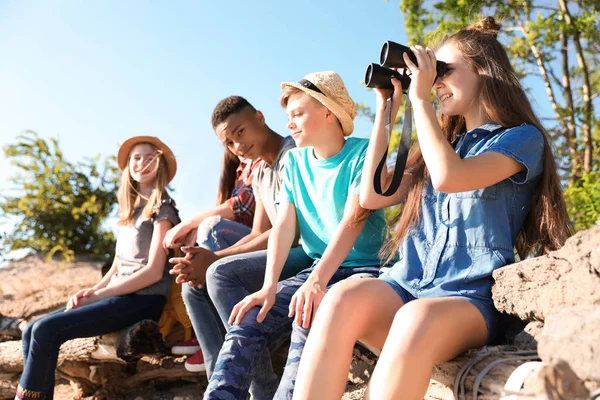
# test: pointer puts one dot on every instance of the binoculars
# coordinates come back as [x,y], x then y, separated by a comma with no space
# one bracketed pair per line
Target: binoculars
[379,76]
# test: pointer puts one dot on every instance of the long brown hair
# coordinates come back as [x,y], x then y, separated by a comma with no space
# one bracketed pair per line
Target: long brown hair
[229,167]
[546,226]
[129,195]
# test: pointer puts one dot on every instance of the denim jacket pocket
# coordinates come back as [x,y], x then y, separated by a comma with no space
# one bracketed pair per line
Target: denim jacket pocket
[488,193]
[478,280]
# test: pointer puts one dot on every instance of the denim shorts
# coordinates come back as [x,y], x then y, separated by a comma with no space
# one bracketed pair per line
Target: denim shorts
[485,306]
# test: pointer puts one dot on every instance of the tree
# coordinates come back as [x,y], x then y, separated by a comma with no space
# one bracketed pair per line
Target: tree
[60,206]
[558,43]
[583,201]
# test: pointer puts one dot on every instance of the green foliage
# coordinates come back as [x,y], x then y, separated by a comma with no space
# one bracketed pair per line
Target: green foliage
[583,200]
[61,206]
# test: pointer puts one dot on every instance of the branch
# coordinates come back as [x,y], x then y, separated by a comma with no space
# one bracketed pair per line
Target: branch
[548,8]
[566,83]
[544,73]
[586,127]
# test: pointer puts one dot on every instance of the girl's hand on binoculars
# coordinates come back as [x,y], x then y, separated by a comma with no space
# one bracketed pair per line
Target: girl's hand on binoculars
[383,94]
[423,75]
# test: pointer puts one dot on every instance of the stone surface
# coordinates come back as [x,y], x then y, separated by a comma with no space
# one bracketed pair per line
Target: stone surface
[556,296]
[528,338]
[536,288]
[555,382]
[31,287]
[573,336]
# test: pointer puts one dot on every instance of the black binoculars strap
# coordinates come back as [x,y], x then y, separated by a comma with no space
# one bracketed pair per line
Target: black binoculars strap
[403,148]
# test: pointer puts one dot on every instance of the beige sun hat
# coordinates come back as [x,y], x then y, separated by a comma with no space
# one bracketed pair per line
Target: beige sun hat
[125,149]
[328,88]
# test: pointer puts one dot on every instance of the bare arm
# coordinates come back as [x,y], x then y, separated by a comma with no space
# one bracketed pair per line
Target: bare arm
[308,297]
[106,278]
[147,275]
[341,243]
[255,240]
[449,173]
[192,268]
[378,143]
[222,210]
[177,235]
[280,242]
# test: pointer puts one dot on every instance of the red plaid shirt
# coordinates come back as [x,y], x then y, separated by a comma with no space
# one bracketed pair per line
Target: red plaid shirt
[242,201]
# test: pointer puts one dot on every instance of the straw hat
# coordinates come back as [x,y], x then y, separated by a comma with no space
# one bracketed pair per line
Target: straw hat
[328,88]
[125,149]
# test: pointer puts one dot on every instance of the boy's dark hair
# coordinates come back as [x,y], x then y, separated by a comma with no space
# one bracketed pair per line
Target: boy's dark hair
[228,106]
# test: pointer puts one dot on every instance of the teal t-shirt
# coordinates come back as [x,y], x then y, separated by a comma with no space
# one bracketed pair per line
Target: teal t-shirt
[319,190]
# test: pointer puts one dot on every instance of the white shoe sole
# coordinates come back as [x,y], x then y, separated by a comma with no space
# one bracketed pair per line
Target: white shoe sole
[184,350]
[195,367]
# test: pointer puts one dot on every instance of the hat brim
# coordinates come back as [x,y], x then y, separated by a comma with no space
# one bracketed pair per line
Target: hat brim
[127,145]
[345,119]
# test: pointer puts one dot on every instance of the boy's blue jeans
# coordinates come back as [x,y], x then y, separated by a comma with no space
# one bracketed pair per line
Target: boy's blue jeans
[244,352]
[42,338]
[228,281]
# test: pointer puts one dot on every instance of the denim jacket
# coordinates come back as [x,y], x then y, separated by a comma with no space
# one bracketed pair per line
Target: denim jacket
[461,238]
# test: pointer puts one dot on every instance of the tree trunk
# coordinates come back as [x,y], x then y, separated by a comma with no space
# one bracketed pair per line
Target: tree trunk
[115,363]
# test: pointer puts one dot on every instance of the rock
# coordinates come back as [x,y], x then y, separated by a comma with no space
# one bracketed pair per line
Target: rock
[114,363]
[555,382]
[573,335]
[528,338]
[31,287]
[485,370]
[10,327]
[538,287]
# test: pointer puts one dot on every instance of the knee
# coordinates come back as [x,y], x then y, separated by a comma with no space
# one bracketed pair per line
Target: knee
[339,300]
[298,331]
[26,336]
[38,331]
[219,270]
[412,330]
[211,274]
[206,228]
[190,293]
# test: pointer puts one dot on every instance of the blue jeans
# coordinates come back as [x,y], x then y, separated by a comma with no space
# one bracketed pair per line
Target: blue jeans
[244,350]
[214,233]
[228,281]
[42,338]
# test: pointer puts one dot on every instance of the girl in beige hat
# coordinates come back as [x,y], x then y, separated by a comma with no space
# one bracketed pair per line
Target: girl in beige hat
[136,286]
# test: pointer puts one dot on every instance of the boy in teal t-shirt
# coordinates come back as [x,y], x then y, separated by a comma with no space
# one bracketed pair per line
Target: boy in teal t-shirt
[320,199]
[319,190]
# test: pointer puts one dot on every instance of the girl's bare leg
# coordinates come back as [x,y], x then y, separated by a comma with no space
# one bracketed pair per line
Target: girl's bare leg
[424,332]
[352,309]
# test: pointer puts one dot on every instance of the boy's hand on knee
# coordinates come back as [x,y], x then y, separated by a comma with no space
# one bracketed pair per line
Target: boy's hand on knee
[306,302]
[264,298]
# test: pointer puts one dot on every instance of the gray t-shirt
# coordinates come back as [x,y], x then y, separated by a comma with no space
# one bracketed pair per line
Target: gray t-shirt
[268,178]
[133,246]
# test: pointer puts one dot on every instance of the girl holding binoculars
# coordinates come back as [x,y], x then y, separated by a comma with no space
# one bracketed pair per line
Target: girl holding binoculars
[481,182]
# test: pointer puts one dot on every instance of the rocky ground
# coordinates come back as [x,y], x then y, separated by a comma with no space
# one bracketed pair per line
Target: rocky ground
[555,298]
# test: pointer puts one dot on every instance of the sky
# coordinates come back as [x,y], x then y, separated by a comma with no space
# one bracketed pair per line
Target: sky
[93,73]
